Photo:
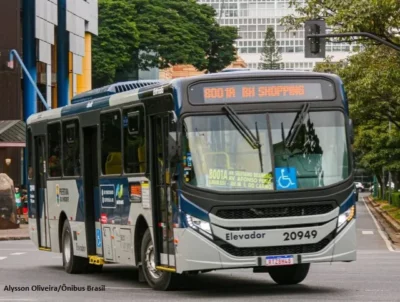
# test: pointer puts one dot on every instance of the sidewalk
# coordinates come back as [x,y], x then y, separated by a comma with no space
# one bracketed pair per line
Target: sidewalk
[15,234]
[390,225]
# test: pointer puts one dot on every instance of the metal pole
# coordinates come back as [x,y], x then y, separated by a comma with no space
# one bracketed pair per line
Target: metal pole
[62,56]
[390,174]
[383,184]
[13,53]
[362,34]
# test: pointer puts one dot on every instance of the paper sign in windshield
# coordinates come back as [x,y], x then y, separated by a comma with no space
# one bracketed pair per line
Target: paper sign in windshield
[239,179]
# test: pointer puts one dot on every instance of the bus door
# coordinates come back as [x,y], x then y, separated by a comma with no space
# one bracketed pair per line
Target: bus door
[40,192]
[163,130]
[91,189]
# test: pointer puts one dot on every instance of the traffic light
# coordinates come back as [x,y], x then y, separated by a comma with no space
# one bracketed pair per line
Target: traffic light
[314,47]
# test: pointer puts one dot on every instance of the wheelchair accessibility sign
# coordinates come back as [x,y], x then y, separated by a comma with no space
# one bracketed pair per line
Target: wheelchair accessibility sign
[98,237]
[285,178]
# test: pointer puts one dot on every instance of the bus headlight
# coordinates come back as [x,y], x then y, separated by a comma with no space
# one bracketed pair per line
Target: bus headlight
[199,225]
[346,217]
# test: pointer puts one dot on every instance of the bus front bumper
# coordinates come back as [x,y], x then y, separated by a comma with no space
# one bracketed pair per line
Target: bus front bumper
[196,253]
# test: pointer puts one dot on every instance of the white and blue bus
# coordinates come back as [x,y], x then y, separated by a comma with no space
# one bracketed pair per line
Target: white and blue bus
[221,171]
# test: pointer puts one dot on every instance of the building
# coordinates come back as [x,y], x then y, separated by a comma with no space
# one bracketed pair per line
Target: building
[252,17]
[54,39]
[183,71]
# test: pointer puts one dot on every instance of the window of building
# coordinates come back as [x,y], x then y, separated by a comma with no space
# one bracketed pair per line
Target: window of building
[71,151]
[134,140]
[111,143]
[54,149]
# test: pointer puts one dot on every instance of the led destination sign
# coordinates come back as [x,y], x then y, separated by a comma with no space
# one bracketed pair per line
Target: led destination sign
[262,91]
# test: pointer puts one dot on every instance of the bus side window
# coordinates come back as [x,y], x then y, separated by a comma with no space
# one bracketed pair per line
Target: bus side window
[134,141]
[54,149]
[111,154]
[71,158]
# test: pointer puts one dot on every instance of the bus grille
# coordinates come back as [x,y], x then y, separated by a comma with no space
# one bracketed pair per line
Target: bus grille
[275,212]
[276,250]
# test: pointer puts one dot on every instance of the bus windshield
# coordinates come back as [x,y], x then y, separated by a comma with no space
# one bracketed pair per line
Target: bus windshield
[217,155]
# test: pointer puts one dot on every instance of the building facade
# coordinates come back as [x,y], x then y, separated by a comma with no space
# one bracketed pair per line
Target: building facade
[53,37]
[253,17]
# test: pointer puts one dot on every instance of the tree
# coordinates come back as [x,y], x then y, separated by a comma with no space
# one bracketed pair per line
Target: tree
[376,148]
[270,55]
[221,51]
[381,18]
[329,66]
[182,32]
[118,37]
[166,32]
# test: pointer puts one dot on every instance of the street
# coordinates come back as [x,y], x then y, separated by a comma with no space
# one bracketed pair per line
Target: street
[375,276]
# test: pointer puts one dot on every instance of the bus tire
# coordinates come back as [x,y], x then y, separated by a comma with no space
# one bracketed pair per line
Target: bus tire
[287,275]
[158,280]
[72,264]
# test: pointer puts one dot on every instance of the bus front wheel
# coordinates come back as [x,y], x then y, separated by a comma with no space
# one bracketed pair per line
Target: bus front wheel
[287,275]
[158,280]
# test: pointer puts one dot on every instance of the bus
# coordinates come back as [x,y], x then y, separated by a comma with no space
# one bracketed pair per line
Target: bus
[219,171]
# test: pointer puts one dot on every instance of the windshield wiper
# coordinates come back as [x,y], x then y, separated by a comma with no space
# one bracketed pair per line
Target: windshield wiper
[297,123]
[252,140]
[242,128]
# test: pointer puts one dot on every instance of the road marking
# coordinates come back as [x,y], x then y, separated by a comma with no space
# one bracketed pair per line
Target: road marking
[29,250]
[367,232]
[2,258]
[7,299]
[128,288]
[16,254]
[382,233]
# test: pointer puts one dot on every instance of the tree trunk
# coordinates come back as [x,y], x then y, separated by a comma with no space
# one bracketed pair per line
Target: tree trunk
[380,181]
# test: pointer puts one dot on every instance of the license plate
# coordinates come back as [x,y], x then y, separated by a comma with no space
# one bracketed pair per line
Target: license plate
[279,260]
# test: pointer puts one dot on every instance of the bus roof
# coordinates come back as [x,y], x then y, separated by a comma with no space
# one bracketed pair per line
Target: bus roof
[109,95]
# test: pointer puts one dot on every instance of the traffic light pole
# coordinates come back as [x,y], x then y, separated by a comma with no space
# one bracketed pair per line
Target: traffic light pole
[315,32]
[360,34]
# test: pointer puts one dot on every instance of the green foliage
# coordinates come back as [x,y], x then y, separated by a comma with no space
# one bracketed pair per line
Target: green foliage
[270,55]
[371,79]
[118,37]
[373,16]
[396,199]
[329,66]
[162,33]
[183,32]
[221,51]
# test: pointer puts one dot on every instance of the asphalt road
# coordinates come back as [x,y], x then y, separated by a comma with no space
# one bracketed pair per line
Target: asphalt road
[375,276]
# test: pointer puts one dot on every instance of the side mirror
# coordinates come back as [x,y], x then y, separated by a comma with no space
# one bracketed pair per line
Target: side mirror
[351,130]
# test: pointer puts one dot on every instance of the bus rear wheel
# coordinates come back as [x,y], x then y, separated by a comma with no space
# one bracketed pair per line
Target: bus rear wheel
[72,264]
[158,280]
[287,275]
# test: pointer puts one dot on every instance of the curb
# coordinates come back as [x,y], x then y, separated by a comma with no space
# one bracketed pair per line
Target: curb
[14,238]
[393,223]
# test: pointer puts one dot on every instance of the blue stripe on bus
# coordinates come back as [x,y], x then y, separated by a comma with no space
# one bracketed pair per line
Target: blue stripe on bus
[80,211]
[348,203]
[192,209]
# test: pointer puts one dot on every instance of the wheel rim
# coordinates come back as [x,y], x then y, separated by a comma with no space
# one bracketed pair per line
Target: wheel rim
[67,249]
[150,263]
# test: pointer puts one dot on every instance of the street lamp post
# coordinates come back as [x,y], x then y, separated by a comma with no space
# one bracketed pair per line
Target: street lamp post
[390,174]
